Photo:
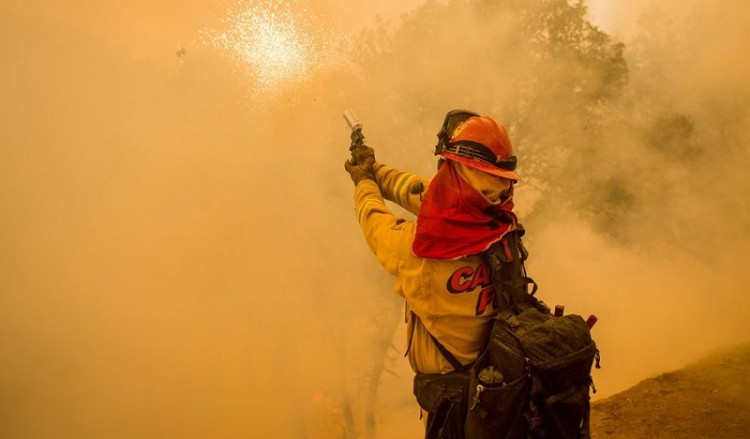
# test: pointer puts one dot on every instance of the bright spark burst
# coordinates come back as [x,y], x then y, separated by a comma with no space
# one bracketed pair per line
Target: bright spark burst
[276,47]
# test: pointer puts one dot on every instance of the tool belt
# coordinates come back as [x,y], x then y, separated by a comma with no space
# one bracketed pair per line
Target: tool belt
[444,398]
[433,389]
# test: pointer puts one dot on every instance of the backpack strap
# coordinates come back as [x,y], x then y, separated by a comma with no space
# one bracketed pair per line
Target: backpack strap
[457,366]
[506,260]
[449,357]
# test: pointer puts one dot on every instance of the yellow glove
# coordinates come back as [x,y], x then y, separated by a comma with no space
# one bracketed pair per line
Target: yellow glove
[360,172]
[363,154]
[361,165]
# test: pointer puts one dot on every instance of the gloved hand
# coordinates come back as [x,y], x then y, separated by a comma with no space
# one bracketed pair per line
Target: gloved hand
[361,165]
[360,172]
[363,154]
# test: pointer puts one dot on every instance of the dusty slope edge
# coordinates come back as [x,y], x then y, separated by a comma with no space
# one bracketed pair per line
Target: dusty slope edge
[707,399]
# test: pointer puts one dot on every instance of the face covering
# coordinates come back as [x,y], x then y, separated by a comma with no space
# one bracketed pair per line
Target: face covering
[457,219]
[491,186]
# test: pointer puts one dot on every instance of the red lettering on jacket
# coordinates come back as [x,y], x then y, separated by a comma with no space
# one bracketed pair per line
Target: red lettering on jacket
[460,280]
[481,277]
[466,280]
[486,296]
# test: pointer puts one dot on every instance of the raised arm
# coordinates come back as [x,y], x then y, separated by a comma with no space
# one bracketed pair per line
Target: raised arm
[402,188]
[387,235]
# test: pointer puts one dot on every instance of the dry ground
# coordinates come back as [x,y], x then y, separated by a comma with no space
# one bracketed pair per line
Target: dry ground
[708,399]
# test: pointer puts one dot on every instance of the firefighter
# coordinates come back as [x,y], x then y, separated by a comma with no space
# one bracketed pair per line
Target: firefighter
[448,288]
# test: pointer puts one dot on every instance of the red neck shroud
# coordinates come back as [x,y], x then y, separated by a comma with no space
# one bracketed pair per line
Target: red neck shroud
[456,220]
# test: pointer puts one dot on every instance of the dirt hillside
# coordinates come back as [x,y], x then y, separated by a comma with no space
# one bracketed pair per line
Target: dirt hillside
[707,399]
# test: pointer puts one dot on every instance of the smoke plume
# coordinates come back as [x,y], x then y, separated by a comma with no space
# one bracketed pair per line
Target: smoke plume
[178,250]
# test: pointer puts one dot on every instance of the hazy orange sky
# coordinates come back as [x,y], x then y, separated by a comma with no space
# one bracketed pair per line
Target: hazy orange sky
[150,29]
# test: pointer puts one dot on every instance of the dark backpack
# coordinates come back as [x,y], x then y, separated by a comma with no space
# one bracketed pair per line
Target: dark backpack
[533,378]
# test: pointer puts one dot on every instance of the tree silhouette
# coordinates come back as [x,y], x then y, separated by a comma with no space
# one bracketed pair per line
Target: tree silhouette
[539,66]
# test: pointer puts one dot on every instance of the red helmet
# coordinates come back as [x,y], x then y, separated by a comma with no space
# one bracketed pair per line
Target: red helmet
[477,141]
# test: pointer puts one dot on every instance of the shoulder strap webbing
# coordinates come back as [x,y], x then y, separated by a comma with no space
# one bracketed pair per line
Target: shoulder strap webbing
[457,366]
[506,260]
[449,357]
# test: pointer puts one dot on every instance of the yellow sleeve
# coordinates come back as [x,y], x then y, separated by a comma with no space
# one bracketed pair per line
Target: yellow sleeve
[397,186]
[387,235]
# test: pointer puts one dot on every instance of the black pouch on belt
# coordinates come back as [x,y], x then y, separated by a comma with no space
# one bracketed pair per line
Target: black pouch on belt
[444,398]
[432,389]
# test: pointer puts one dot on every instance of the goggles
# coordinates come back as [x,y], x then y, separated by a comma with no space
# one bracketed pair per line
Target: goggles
[452,120]
[477,151]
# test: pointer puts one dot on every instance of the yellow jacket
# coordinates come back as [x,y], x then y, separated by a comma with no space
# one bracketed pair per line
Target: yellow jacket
[451,298]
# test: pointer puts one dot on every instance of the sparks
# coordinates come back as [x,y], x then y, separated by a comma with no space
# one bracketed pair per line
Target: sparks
[271,44]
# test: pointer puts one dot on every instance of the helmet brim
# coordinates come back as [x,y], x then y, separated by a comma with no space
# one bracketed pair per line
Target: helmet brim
[480,165]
